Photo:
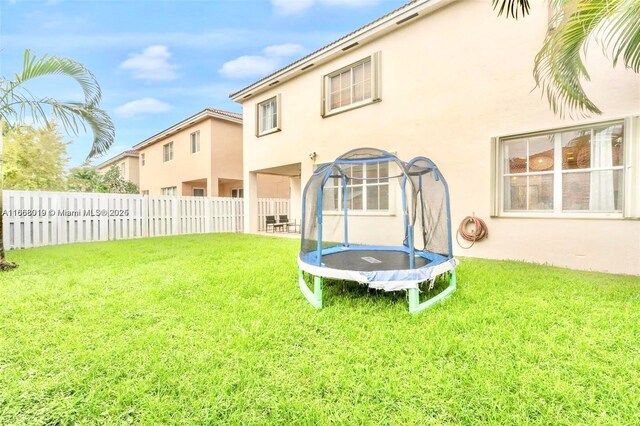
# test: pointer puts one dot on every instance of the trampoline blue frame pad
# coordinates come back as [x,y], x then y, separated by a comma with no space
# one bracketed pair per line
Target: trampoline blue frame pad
[382,278]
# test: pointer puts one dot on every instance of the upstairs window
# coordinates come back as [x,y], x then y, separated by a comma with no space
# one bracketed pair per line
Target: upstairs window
[122,168]
[168,152]
[195,142]
[142,159]
[352,86]
[268,116]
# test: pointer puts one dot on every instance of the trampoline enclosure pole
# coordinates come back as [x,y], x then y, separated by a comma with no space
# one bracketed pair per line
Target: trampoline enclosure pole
[345,203]
[319,219]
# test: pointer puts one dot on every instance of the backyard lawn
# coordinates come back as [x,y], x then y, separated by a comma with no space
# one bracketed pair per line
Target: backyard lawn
[212,329]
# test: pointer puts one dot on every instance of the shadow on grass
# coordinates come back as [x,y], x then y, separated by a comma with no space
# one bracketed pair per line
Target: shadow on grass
[334,290]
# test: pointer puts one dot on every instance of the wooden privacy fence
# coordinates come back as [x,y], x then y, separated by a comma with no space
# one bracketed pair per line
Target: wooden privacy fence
[34,218]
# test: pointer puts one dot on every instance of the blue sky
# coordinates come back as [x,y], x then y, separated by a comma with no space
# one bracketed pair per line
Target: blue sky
[159,62]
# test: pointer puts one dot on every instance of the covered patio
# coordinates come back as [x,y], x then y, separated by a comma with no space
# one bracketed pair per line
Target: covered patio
[255,182]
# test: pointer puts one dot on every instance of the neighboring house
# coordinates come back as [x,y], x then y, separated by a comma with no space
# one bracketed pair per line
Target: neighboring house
[126,163]
[452,81]
[200,156]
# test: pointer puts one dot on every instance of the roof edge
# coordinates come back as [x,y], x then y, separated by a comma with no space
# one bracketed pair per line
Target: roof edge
[197,117]
[386,23]
[127,153]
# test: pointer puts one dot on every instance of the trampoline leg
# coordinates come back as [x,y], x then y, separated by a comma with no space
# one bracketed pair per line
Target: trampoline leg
[314,297]
[414,295]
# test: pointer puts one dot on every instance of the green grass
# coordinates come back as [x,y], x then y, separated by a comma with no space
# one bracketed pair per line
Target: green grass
[212,329]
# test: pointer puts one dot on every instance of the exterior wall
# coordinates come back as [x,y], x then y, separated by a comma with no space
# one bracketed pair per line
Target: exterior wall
[131,168]
[445,93]
[185,166]
[219,159]
[226,152]
[224,189]
[273,186]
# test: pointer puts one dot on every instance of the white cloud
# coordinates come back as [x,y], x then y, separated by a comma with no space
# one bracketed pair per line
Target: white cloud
[222,40]
[248,66]
[142,106]
[259,65]
[293,7]
[287,49]
[151,65]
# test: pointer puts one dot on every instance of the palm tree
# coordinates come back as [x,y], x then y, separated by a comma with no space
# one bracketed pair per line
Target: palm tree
[17,103]
[558,69]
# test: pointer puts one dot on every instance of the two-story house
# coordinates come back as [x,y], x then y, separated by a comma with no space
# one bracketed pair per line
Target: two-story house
[200,156]
[126,163]
[452,81]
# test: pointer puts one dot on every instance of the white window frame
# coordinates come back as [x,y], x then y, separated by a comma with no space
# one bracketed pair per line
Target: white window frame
[204,191]
[170,190]
[390,211]
[194,137]
[168,147]
[630,167]
[122,169]
[239,192]
[142,159]
[278,108]
[327,111]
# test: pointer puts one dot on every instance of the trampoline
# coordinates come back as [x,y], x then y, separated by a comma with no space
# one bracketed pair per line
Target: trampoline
[354,206]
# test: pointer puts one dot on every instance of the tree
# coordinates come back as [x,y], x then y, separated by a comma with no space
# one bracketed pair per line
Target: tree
[558,68]
[17,103]
[113,182]
[85,178]
[35,158]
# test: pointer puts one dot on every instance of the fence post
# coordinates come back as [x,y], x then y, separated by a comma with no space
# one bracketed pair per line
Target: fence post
[233,215]
[175,212]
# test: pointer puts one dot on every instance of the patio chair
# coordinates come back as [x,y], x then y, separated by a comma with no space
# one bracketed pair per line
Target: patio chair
[284,220]
[271,222]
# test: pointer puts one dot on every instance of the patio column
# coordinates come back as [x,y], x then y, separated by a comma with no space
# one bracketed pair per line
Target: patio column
[295,198]
[250,202]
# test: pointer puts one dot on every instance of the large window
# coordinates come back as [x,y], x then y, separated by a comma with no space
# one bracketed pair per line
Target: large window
[268,116]
[368,190]
[170,190]
[352,86]
[195,142]
[569,171]
[168,151]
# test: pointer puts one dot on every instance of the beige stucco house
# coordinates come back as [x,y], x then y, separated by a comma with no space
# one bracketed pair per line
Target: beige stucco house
[126,162]
[452,81]
[200,156]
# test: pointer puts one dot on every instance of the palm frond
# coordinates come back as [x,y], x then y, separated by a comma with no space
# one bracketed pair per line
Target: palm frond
[622,33]
[512,7]
[55,65]
[74,115]
[558,68]
[19,104]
